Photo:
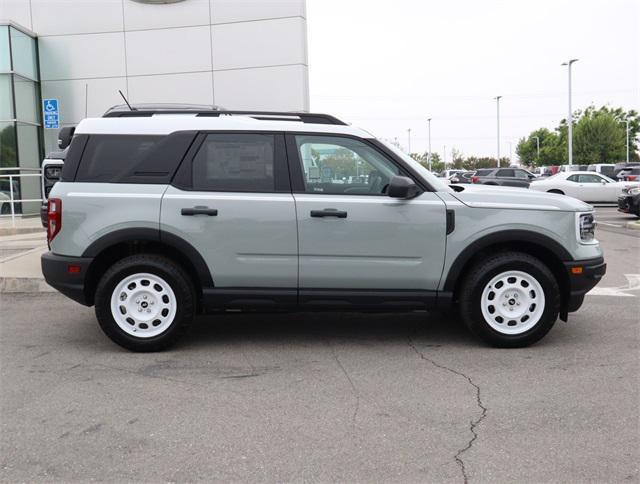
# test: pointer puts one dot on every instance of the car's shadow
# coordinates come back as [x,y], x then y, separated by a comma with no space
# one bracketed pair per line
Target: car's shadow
[301,328]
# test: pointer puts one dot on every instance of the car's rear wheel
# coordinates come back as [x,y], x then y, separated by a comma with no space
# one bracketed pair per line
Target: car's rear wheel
[510,299]
[559,192]
[144,302]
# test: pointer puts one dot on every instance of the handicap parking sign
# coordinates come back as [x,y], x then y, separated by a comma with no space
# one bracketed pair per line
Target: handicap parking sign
[51,113]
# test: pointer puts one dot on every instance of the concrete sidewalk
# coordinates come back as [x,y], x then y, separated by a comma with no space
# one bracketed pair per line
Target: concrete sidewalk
[20,261]
[20,225]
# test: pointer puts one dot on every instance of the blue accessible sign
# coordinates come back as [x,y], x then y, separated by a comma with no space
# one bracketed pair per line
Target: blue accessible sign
[51,113]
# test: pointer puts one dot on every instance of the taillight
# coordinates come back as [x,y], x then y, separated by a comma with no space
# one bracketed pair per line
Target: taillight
[631,177]
[54,217]
[475,179]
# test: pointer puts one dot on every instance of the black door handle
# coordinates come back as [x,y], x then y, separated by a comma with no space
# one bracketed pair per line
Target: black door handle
[211,212]
[329,212]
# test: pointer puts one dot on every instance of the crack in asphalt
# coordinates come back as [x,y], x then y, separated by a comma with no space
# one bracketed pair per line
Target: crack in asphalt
[474,423]
[354,390]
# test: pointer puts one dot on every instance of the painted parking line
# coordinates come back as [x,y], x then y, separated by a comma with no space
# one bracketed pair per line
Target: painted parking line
[633,284]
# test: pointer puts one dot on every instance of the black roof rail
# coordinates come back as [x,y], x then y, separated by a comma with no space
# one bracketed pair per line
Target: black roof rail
[313,118]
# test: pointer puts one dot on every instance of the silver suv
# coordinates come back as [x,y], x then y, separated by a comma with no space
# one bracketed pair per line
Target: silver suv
[162,216]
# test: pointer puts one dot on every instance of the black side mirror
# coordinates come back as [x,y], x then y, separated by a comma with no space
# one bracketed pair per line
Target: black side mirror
[64,136]
[402,187]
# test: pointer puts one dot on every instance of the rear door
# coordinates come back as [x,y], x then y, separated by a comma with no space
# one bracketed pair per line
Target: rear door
[351,234]
[231,200]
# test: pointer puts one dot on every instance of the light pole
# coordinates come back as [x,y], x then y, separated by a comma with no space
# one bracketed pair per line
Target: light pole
[497,98]
[537,148]
[627,131]
[409,137]
[444,156]
[510,153]
[570,118]
[429,155]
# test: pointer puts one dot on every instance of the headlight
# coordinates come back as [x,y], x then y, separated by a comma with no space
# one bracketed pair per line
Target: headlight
[633,191]
[586,228]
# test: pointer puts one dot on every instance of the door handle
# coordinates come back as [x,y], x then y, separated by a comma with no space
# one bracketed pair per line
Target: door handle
[199,210]
[329,212]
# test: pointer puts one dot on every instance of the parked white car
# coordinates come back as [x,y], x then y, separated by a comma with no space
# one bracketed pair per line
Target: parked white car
[583,185]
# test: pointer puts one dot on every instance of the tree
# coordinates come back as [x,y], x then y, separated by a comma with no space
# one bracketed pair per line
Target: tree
[551,152]
[599,136]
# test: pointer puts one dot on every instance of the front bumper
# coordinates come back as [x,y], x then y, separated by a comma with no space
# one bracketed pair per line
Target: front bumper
[67,275]
[629,204]
[583,276]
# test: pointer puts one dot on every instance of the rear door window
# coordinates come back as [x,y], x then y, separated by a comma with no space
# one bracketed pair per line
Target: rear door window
[231,162]
[506,173]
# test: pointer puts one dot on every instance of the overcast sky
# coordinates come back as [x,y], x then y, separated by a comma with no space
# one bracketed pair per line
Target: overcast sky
[388,65]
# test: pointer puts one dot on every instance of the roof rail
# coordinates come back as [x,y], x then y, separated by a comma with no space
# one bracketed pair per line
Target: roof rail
[200,111]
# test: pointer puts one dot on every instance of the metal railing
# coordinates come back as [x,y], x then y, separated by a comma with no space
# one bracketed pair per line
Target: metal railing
[15,177]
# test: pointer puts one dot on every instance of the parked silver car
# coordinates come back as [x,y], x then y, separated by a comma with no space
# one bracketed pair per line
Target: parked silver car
[160,216]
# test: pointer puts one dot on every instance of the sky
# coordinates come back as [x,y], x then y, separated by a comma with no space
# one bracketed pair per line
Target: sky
[387,66]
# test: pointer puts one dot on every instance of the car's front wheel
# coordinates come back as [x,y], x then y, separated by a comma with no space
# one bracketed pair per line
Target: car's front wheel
[144,302]
[510,299]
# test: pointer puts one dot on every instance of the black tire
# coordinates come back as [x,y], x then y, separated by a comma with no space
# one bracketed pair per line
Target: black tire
[480,275]
[559,192]
[175,277]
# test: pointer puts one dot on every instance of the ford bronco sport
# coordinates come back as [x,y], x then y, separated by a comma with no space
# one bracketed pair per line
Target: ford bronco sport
[160,216]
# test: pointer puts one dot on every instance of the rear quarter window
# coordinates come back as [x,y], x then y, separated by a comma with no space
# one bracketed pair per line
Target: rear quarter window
[109,158]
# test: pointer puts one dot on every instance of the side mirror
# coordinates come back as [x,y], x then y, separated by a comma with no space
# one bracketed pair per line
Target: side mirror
[64,136]
[604,182]
[402,187]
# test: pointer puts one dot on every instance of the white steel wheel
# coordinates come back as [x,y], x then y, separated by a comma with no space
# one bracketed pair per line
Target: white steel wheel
[512,302]
[143,305]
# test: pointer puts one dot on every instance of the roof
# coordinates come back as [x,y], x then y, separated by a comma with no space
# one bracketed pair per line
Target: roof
[119,109]
[169,123]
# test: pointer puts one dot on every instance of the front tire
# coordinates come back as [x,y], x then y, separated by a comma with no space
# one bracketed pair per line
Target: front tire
[510,300]
[144,302]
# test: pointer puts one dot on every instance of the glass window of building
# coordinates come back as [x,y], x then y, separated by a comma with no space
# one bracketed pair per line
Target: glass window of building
[20,117]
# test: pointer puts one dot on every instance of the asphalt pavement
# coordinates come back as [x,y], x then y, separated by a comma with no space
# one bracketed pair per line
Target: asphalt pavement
[326,397]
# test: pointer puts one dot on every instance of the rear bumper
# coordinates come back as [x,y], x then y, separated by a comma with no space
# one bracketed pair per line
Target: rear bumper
[55,269]
[583,276]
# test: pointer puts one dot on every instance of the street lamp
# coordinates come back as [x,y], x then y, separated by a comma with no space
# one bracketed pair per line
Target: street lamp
[537,148]
[497,98]
[409,136]
[627,131]
[429,155]
[570,118]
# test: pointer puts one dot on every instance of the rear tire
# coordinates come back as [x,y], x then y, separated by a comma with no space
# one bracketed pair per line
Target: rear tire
[510,300]
[145,302]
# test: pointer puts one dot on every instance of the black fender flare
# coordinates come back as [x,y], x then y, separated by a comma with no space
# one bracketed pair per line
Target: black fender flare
[505,236]
[153,235]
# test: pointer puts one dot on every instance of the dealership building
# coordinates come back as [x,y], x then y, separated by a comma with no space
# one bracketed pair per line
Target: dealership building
[237,54]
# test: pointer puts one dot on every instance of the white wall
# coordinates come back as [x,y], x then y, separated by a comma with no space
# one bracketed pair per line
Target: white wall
[239,54]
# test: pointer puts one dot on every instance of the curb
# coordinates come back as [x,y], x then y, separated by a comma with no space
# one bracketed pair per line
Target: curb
[20,230]
[635,225]
[24,284]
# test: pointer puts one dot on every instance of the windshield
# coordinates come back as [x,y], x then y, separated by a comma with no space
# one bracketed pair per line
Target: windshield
[433,180]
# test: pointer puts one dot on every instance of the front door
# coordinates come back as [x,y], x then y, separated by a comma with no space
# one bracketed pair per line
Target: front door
[351,234]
